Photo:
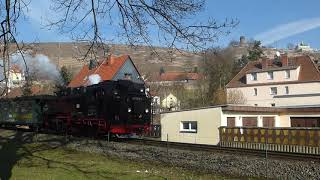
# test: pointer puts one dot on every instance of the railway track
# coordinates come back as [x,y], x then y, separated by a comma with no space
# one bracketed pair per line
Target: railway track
[206,148]
[219,149]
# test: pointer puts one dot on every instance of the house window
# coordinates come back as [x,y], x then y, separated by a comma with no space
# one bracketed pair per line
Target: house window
[188,126]
[287,89]
[249,122]
[253,76]
[231,121]
[287,74]
[268,122]
[270,76]
[127,76]
[273,91]
[255,91]
[273,104]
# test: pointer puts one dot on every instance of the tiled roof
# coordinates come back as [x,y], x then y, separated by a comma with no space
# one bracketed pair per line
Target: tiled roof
[17,92]
[174,76]
[308,71]
[15,68]
[106,69]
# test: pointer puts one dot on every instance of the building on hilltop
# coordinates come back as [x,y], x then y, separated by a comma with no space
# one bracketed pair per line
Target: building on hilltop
[302,47]
[280,82]
[111,68]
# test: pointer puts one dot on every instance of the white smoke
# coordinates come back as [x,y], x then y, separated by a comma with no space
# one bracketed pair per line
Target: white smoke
[286,30]
[39,65]
[94,79]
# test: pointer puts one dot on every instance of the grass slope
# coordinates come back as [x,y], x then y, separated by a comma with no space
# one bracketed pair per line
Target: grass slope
[21,158]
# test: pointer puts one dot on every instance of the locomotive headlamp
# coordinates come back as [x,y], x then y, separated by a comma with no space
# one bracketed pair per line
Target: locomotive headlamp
[147,110]
[115,92]
[129,109]
[141,90]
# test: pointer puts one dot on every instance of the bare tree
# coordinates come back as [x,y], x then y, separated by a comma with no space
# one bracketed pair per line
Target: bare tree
[137,22]
[235,97]
[10,12]
[217,68]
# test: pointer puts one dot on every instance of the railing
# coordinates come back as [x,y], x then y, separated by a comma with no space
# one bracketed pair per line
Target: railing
[292,140]
[283,136]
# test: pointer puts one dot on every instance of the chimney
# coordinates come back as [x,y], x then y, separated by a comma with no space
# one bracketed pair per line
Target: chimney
[111,60]
[264,62]
[284,60]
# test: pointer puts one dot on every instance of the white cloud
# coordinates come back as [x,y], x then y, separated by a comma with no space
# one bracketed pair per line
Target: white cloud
[286,30]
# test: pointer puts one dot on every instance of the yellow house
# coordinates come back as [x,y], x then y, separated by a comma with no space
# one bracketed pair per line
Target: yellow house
[201,126]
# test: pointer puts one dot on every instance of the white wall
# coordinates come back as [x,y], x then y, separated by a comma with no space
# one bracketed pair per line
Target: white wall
[239,115]
[278,76]
[208,122]
[264,98]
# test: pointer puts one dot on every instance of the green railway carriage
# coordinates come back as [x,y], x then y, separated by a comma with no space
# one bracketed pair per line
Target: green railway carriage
[25,111]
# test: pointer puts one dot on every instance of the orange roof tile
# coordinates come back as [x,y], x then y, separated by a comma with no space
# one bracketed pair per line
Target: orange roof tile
[175,76]
[17,92]
[106,69]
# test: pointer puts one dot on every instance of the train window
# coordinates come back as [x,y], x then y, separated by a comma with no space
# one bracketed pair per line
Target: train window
[77,106]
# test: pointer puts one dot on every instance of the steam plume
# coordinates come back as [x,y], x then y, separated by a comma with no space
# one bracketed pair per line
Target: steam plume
[39,65]
[94,79]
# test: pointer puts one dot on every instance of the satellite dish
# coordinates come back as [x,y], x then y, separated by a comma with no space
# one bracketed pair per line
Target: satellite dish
[278,53]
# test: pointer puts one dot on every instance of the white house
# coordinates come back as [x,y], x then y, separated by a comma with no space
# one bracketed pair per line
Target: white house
[279,82]
[170,103]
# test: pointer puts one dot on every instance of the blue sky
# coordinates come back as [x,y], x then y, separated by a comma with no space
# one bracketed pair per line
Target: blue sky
[274,22]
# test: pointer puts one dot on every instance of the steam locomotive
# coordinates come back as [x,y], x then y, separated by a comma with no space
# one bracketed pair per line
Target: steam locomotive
[119,107]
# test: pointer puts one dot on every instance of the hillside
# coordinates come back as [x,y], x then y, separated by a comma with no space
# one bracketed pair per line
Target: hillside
[146,60]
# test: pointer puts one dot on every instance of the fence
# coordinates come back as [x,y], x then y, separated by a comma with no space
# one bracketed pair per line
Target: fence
[299,140]
[155,131]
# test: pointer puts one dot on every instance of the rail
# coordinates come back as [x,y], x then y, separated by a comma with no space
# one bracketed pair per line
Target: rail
[219,149]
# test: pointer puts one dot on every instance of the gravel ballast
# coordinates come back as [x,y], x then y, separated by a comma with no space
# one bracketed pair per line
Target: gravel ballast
[216,163]
[226,164]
